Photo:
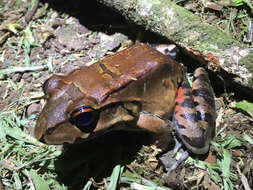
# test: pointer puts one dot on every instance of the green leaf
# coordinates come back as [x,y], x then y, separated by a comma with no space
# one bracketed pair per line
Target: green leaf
[13,85]
[245,106]
[231,142]
[225,164]
[227,184]
[215,144]
[17,133]
[225,169]
[39,183]
[50,64]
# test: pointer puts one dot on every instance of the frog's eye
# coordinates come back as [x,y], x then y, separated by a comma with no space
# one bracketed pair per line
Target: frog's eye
[84,118]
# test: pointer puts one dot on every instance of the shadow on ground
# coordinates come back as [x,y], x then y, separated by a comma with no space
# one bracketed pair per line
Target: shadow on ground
[96,158]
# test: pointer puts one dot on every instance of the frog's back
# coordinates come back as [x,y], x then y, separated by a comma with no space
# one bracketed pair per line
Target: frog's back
[130,66]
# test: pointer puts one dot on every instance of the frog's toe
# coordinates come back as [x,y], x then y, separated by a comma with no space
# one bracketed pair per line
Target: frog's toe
[170,162]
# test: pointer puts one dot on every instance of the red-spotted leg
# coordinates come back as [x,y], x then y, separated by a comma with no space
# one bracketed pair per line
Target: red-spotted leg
[194,116]
[194,113]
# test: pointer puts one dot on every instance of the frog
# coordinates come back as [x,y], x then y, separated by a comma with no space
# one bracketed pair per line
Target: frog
[136,89]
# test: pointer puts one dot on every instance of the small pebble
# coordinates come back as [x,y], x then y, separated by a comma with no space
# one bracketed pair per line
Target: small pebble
[27,77]
[16,77]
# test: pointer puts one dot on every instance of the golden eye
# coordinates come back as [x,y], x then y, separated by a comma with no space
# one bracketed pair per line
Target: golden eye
[85,118]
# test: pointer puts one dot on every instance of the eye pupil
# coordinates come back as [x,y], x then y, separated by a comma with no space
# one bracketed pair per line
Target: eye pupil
[84,118]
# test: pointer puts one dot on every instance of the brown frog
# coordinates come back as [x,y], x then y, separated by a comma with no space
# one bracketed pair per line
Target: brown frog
[134,89]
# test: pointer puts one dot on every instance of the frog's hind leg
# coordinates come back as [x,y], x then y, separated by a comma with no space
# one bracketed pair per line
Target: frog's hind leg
[194,118]
[194,113]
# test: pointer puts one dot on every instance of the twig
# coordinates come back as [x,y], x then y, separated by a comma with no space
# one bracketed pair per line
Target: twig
[243,179]
[21,69]
[30,14]
[4,37]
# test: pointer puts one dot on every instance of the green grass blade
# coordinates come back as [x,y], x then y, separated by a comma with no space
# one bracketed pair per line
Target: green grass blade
[18,184]
[116,174]
[39,183]
[137,181]
[88,185]
[225,164]
[2,132]
[137,186]
[231,142]
[248,139]
[18,134]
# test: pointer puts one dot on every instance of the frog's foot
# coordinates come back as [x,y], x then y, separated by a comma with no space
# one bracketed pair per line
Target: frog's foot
[182,158]
[177,147]
[162,137]
[168,159]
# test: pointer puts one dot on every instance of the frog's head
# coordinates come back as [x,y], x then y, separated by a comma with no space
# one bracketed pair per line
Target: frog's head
[71,113]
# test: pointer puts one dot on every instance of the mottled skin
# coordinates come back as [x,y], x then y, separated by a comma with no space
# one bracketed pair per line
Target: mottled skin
[134,89]
[194,113]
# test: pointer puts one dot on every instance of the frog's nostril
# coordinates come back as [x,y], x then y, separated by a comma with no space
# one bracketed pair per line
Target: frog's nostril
[51,84]
[44,86]
[49,131]
[42,139]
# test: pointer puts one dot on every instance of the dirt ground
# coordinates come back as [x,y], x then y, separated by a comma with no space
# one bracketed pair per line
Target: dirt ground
[63,36]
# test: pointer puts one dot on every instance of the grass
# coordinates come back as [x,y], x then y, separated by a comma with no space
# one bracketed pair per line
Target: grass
[22,157]
[27,163]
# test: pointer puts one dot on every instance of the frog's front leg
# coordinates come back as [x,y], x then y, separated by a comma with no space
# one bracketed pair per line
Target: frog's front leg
[159,128]
[194,113]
